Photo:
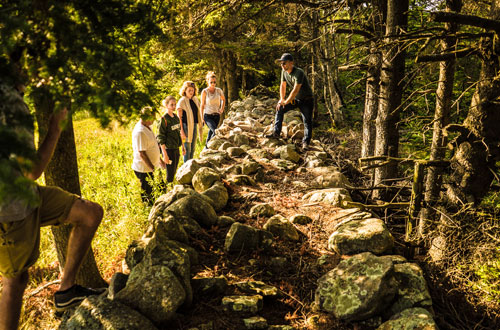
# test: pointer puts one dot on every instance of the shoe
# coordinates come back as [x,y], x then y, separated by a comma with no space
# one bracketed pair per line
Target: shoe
[305,146]
[274,135]
[73,296]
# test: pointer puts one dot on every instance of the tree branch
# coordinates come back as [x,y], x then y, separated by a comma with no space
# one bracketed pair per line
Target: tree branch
[445,56]
[355,31]
[485,23]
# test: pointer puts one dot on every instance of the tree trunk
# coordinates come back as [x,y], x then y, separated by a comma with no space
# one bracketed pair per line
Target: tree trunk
[441,120]
[391,90]
[335,98]
[478,149]
[314,60]
[372,83]
[231,77]
[62,171]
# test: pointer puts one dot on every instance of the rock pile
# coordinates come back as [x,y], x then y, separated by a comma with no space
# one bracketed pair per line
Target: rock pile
[158,282]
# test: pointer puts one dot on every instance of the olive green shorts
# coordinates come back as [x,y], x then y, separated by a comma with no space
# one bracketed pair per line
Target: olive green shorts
[20,240]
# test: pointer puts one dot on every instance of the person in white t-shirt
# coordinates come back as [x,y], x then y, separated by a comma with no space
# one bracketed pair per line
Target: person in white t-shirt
[146,153]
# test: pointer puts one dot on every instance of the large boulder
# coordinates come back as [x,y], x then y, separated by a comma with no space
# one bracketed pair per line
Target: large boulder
[154,291]
[249,167]
[283,164]
[412,288]
[170,228]
[358,288]
[243,238]
[333,196]
[332,180]
[165,200]
[258,154]
[235,151]
[218,195]
[356,236]
[185,173]
[215,143]
[281,227]
[410,319]
[240,139]
[101,313]
[195,207]
[204,178]
[169,253]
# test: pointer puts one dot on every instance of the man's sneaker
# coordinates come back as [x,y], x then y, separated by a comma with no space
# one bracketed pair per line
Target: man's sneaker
[73,296]
[273,135]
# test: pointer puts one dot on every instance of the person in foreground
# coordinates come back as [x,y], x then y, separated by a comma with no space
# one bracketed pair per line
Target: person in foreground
[188,109]
[169,137]
[20,222]
[301,96]
[212,105]
[146,153]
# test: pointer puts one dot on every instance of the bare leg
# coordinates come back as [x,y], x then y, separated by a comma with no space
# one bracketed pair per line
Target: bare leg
[12,300]
[85,217]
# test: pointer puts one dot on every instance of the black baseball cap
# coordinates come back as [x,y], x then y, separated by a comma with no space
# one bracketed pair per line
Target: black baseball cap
[285,57]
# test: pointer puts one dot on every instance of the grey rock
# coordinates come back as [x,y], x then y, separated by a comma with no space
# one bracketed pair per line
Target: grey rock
[261,210]
[235,151]
[283,164]
[204,178]
[217,195]
[135,252]
[332,180]
[215,143]
[225,146]
[412,289]
[118,281]
[243,238]
[242,180]
[300,219]
[332,196]
[367,235]
[410,319]
[100,313]
[185,173]
[170,228]
[258,153]
[358,288]
[154,291]
[194,207]
[249,167]
[289,152]
[174,256]
[165,200]
[255,322]
[257,287]
[240,139]
[225,221]
[244,304]
[281,227]
[209,285]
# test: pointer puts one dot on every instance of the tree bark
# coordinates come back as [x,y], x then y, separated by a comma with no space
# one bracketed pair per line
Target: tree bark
[332,96]
[231,77]
[391,90]
[474,160]
[62,171]
[441,120]
[372,82]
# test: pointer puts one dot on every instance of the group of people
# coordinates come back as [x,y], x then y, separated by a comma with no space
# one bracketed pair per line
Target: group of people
[175,130]
[21,219]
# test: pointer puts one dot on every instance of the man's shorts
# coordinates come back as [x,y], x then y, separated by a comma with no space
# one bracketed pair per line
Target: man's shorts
[20,240]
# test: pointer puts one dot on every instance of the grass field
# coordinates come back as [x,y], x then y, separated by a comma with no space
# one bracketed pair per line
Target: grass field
[104,160]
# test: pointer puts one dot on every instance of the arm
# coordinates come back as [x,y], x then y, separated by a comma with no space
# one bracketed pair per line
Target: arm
[165,155]
[180,113]
[282,93]
[293,93]
[223,103]
[202,106]
[46,150]
[145,158]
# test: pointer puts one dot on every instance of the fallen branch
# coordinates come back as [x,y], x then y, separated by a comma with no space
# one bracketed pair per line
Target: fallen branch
[41,288]
[362,206]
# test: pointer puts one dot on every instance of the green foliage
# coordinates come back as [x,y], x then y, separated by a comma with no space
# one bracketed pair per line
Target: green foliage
[488,274]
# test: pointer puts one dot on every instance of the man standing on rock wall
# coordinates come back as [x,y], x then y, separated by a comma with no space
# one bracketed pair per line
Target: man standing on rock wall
[22,214]
[301,96]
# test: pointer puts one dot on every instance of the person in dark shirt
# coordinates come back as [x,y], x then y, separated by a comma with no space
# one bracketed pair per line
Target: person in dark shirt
[169,137]
[301,97]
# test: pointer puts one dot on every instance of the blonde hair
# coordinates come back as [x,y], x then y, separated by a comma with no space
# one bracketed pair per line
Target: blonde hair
[147,113]
[165,102]
[210,74]
[185,86]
